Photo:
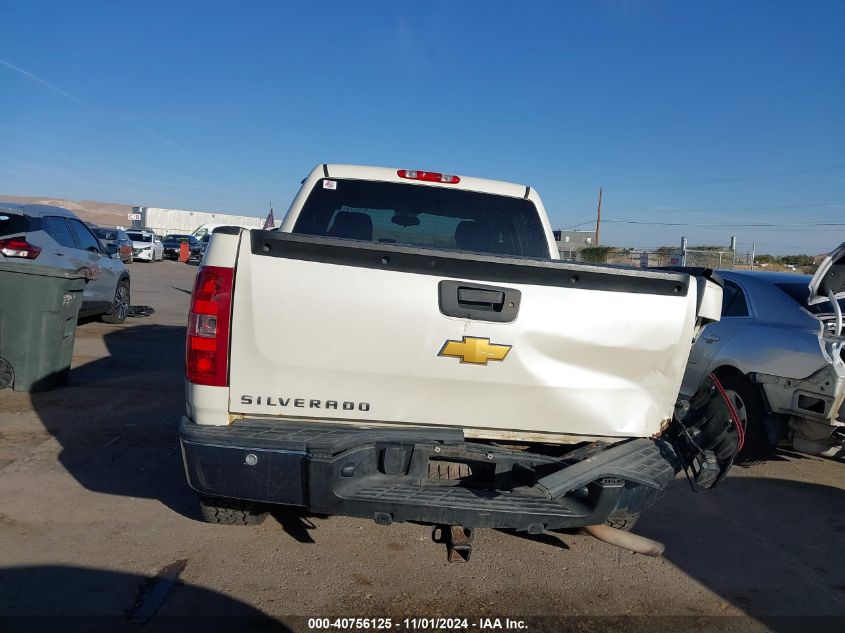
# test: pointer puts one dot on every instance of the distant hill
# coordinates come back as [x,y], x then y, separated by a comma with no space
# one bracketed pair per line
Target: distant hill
[103,213]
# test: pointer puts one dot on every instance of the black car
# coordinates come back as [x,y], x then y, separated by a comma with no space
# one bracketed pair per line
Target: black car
[172,244]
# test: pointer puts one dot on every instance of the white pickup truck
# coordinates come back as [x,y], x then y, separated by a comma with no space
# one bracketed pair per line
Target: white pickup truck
[407,346]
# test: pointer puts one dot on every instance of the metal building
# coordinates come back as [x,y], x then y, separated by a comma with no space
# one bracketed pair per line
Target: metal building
[570,242]
[164,221]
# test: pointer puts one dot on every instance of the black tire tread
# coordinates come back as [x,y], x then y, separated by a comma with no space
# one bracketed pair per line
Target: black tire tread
[623,520]
[230,512]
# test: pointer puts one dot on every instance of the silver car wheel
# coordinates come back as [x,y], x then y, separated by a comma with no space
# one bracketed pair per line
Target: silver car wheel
[121,302]
[739,406]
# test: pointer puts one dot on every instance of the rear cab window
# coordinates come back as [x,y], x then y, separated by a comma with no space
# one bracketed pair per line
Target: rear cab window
[423,216]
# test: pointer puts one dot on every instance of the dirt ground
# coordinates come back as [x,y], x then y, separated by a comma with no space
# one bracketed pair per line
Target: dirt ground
[96,522]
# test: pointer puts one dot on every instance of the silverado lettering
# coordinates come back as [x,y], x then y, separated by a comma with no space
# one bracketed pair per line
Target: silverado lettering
[275,401]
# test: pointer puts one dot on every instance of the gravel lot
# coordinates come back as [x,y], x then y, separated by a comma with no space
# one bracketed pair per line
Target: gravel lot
[93,504]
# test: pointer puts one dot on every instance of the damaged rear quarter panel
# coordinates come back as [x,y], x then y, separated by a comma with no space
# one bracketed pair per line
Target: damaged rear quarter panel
[791,356]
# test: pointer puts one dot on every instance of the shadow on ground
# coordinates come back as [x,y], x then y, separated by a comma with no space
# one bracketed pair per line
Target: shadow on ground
[62,598]
[116,419]
[296,523]
[767,546]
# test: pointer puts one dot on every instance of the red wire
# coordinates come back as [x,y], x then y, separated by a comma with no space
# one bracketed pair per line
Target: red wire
[734,415]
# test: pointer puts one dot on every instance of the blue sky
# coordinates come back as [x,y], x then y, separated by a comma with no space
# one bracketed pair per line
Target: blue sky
[735,108]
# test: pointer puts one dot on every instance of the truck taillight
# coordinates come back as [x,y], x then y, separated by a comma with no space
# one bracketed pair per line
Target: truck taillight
[207,355]
[19,247]
[429,176]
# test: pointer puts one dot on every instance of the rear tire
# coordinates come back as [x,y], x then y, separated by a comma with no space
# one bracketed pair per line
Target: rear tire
[120,308]
[633,499]
[7,374]
[623,520]
[749,405]
[230,511]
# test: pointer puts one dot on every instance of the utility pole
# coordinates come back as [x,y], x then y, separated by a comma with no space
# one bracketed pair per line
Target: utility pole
[598,218]
[753,250]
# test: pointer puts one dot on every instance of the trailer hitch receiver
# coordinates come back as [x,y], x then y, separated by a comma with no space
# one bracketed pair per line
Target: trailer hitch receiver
[458,541]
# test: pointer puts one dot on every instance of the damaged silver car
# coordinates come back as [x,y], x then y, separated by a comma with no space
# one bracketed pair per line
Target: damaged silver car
[777,350]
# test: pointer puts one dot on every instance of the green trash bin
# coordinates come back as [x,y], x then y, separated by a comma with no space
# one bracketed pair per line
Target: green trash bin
[39,307]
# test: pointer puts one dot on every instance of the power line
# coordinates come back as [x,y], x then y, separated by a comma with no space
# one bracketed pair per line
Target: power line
[756,230]
[572,226]
[783,206]
[796,226]
[734,178]
[729,225]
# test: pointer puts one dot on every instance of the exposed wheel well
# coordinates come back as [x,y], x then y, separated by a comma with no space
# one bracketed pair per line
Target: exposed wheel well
[729,370]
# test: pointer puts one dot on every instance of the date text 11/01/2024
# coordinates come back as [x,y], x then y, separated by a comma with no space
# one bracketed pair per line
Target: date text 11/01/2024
[416,624]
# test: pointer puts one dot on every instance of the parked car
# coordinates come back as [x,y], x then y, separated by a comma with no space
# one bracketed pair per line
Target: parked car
[205,230]
[119,238]
[172,243]
[146,245]
[55,237]
[778,353]
[481,381]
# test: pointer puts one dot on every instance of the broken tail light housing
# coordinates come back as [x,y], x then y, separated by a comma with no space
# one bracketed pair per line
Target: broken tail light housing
[207,345]
[428,176]
[19,247]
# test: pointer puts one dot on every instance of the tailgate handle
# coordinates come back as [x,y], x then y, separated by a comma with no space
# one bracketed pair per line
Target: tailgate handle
[482,299]
[467,300]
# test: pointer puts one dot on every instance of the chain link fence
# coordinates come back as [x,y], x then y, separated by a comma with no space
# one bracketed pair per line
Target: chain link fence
[639,257]
[654,257]
[710,259]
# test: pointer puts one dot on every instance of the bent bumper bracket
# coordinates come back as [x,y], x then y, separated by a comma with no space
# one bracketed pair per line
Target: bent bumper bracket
[647,462]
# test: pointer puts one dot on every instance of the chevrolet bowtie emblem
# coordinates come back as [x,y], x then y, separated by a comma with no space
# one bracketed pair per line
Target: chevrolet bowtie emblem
[474,350]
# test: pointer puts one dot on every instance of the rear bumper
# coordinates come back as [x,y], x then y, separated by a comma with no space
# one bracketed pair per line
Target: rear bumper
[383,474]
[173,253]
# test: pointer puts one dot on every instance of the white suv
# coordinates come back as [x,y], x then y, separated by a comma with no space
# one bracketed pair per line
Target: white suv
[55,237]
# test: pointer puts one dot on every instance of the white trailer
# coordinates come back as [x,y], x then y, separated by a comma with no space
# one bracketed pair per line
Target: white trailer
[164,221]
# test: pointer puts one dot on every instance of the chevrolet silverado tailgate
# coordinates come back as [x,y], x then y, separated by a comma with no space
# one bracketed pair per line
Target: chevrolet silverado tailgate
[501,347]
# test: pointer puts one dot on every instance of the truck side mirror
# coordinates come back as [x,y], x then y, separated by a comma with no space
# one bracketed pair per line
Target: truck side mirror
[111,249]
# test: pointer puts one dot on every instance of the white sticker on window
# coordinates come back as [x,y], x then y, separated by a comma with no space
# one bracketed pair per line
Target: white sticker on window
[330,184]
